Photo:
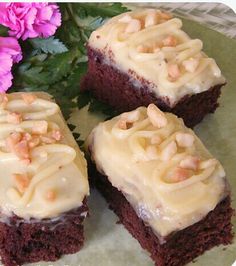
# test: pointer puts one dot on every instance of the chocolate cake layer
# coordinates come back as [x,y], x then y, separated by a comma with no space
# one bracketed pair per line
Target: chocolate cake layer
[117,89]
[180,247]
[24,241]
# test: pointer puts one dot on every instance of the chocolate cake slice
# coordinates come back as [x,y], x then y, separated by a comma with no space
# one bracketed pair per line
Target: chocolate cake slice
[41,240]
[144,57]
[166,188]
[44,182]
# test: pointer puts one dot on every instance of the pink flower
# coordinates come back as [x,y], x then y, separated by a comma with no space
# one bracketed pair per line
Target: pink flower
[30,20]
[10,52]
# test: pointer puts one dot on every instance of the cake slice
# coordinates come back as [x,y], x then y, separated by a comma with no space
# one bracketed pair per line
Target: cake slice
[166,188]
[144,57]
[44,181]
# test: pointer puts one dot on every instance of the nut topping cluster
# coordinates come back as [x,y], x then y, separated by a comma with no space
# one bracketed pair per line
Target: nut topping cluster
[183,141]
[21,142]
[152,18]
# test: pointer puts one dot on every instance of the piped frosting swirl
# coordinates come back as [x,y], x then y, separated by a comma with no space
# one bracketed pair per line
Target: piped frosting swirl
[151,45]
[160,166]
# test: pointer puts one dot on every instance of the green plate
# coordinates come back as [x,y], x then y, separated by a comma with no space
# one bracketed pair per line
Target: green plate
[108,243]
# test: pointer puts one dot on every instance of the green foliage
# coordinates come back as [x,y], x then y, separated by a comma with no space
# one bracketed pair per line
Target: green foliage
[57,64]
[49,45]
[100,10]
[95,106]
[3,31]
[71,127]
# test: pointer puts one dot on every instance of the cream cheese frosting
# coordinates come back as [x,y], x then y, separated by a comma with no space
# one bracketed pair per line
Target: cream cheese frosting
[160,166]
[42,171]
[151,45]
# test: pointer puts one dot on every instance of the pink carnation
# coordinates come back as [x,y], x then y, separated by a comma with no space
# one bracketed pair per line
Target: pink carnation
[10,52]
[30,20]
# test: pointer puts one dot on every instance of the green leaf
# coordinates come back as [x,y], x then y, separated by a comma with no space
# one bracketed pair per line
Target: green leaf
[95,23]
[83,99]
[3,31]
[69,33]
[102,10]
[76,135]
[80,143]
[98,106]
[71,127]
[59,65]
[72,82]
[35,76]
[65,104]
[78,140]
[49,45]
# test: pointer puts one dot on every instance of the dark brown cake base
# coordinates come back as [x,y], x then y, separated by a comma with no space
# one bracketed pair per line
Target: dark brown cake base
[180,247]
[46,240]
[115,88]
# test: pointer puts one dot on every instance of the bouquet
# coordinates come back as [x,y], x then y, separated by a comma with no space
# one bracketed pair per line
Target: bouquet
[43,48]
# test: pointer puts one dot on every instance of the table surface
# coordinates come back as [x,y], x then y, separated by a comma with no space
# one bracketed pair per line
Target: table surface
[216,16]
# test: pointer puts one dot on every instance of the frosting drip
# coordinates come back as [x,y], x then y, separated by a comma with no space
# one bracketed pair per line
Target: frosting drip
[161,167]
[44,173]
[151,44]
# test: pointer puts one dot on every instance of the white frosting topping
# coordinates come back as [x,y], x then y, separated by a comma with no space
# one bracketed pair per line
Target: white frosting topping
[46,174]
[160,166]
[149,44]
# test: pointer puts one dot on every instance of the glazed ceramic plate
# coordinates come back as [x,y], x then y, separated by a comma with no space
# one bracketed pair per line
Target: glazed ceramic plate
[108,243]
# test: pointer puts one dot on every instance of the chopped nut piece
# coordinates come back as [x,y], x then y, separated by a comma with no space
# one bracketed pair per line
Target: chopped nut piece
[12,140]
[151,18]
[184,139]
[22,181]
[208,163]
[26,136]
[156,116]
[56,134]
[169,151]
[19,144]
[155,139]
[133,26]
[131,116]
[28,98]
[191,64]
[173,71]
[169,41]
[34,142]
[180,174]
[21,150]
[125,19]
[127,119]
[3,100]
[51,195]
[190,162]
[41,127]
[14,118]
[122,124]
